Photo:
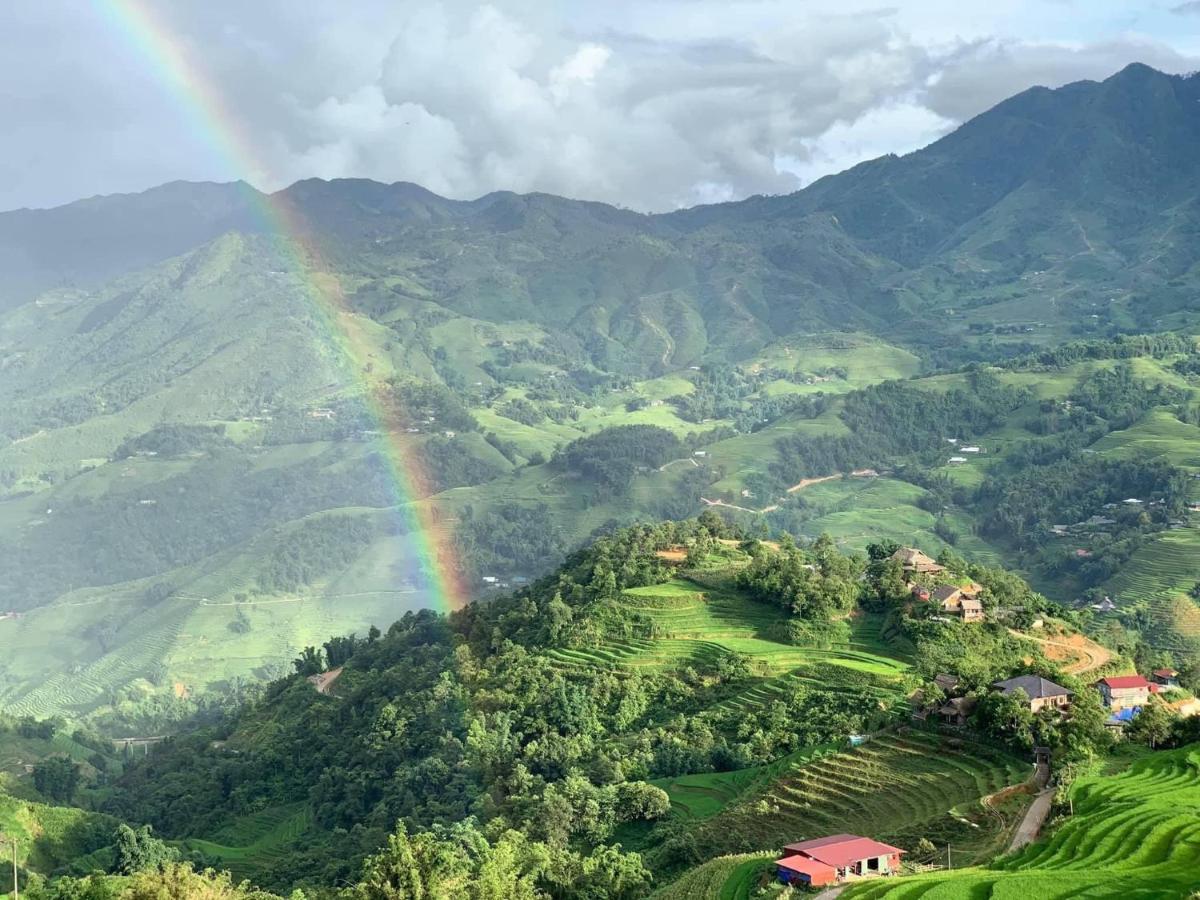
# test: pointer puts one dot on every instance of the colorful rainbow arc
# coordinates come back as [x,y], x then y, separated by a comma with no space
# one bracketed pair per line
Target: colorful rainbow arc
[136,23]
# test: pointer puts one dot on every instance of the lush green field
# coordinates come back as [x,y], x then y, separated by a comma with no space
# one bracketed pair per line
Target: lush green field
[1131,835]
[734,877]
[897,788]
[692,623]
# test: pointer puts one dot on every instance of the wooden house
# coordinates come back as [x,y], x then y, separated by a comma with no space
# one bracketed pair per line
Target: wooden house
[914,561]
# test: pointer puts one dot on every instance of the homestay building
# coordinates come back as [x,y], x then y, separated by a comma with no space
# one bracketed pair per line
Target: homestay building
[914,561]
[959,601]
[1039,692]
[840,857]
[1125,691]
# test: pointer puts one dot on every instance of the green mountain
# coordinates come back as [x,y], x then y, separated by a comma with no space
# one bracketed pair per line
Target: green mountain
[192,480]
[662,713]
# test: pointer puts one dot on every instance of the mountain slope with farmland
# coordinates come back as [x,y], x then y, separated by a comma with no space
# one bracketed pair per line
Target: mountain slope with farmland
[194,479]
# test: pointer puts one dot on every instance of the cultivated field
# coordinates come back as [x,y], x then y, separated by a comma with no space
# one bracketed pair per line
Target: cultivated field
[897,788]
[1131,835]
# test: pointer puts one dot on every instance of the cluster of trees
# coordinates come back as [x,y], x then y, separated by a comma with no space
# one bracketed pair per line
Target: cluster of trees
[1116,396]
[1125,346]
[174,440]
[723,391]
[610,459]
[313,548]
[428,406]
[816,583]
[508,538]
[892,421]
[452,462]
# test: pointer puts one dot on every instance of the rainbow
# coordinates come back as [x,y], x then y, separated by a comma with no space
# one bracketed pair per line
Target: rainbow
[169,60]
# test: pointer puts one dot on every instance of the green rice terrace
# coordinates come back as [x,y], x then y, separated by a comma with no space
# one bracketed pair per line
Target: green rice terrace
[896,787]
[1133,835]
[256,841]
[688,622]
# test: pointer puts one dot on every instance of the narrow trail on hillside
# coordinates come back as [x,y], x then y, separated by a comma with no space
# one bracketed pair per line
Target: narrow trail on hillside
[798,486]
[1087,654]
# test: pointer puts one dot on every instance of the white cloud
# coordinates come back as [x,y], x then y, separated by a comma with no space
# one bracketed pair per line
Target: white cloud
[647,103]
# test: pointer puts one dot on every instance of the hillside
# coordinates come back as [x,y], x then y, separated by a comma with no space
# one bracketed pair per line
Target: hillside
[196,475]
[679,714]
[1131,834]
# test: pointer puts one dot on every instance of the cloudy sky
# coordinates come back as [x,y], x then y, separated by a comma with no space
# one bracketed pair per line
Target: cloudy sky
[652,104]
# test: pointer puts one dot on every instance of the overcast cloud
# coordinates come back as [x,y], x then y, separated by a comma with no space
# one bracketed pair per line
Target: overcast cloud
[652,104]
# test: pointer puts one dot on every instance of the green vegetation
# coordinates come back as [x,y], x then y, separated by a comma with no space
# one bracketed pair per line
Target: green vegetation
[1131,834]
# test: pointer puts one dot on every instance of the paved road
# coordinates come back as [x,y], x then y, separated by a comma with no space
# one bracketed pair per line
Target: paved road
[1037,812]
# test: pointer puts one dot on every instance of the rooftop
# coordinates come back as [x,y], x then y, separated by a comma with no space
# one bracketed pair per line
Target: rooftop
[1034,686]
[808,866]
[840,850]
[1125,681]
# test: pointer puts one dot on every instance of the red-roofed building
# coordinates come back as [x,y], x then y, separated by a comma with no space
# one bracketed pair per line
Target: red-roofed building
[803,870]
[1123,691]
[838,857]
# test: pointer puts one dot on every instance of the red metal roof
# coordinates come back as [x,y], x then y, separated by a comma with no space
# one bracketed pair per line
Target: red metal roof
[840,850]
[1125,681]
[816,871]
[1166,673]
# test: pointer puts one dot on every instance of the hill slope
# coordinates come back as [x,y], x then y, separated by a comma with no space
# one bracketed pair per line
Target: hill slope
[179,417]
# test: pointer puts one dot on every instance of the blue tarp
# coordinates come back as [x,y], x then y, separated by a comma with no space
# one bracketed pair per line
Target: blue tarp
[1124,716]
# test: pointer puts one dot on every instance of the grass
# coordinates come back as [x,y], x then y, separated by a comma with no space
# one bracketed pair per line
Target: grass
[1135,834]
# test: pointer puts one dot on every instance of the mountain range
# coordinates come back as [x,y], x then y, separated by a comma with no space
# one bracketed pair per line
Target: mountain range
[163,365]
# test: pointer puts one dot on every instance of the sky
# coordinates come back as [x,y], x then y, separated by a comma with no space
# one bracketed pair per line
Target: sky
[647,104]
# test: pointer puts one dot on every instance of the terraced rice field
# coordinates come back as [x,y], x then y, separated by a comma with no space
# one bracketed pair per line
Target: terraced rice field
[255,842]
[700,796]
[896,787]
[1160,574]
[725,878]
[1132,835]
[692,626]
[142,646]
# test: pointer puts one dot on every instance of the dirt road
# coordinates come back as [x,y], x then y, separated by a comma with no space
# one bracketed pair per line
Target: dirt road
[1086,654]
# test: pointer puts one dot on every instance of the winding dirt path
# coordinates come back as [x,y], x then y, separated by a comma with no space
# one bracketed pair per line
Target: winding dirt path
[1086,654]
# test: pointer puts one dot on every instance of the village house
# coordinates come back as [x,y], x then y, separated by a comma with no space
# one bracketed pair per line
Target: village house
[947,682]
[959,601]
[1166,677]
[841,857]
[957,711]
[1040,692]
[1124,691]
[971,610]
[914,561]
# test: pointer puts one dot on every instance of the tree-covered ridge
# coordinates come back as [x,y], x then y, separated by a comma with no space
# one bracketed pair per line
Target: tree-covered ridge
[494,713]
